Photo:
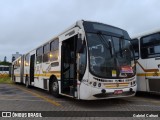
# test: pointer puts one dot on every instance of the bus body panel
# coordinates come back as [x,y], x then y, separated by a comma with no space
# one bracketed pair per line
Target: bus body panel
[141,81]
[92,93]
[153,78]
[17,67]
[148,67]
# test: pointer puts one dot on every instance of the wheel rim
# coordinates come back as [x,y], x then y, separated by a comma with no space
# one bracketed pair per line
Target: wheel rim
[55,86]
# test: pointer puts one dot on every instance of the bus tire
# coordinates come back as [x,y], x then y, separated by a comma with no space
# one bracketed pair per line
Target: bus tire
[27,82]
[54,88]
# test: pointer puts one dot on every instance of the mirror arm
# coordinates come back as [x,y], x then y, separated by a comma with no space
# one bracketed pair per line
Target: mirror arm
[79,43]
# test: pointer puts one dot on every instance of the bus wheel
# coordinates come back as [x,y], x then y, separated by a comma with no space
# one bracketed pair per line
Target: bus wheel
[27,83]
[54,88]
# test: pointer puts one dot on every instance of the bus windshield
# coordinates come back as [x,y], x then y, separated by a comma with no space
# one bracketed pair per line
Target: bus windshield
[110,56]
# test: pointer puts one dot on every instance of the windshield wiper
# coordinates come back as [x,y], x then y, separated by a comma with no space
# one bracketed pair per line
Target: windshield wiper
[106,43]
[120,46]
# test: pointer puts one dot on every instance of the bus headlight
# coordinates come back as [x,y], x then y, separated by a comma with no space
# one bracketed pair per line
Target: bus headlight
[94,84]
[99,84]
[90,83]
[133,83]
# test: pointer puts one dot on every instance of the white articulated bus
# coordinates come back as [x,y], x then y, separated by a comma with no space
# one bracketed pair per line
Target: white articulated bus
[88,61]
[147,52]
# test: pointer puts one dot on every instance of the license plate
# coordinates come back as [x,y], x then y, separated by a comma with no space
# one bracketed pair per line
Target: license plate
[118,92]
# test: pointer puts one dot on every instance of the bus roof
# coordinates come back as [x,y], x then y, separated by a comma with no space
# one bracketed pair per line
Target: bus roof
[4,66]
[152,31]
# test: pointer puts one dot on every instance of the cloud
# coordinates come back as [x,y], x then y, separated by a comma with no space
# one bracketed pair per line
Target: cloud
[25,24]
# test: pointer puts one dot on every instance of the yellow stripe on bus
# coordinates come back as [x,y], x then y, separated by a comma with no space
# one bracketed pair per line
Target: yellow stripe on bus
[116,85]
[148,74]
[52,72]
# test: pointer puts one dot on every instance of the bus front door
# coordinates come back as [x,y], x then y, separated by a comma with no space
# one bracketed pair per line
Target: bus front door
[69,67]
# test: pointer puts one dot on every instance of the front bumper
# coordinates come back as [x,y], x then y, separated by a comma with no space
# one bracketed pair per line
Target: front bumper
[93,93]
[112,95]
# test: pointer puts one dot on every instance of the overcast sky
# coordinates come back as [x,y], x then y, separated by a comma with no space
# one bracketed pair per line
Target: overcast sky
[25,24]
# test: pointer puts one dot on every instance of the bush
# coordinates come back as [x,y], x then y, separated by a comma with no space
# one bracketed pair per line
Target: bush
[5,79]
[5,63]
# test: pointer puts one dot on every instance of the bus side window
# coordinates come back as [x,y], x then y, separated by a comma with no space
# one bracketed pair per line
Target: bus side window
[39,55]
[46,50]
[144,53]
[135,45]
[54,50]
[150,46]
[27,60]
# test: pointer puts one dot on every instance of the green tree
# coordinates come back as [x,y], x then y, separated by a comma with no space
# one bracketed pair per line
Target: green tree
[5,63]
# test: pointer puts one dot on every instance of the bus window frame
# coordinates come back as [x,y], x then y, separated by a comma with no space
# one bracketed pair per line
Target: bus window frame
[136,57]
[27,56]
[46,53]
[54,51]
[141,47]
[39,54]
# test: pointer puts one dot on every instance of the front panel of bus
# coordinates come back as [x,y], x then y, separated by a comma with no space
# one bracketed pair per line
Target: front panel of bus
[110,68]
[148,64]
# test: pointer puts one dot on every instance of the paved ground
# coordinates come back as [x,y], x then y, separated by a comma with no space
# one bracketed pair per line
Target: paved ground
[18,98]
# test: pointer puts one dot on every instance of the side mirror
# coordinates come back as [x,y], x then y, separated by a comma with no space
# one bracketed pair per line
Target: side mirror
[144,53]
[80,44]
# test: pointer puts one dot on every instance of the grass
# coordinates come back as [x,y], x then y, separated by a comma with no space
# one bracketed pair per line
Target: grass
[5,80]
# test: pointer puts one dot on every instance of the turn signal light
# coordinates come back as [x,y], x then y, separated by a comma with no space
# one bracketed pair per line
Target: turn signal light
[99,84]
[94,84]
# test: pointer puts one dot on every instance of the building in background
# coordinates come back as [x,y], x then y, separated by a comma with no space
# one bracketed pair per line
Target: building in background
[5,59]
[15,56]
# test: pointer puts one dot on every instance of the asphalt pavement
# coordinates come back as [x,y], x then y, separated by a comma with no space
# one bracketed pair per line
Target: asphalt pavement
[16,97]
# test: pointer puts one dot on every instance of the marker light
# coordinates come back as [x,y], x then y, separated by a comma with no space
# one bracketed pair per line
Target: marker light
[99,84]
[50,55]
[94,84]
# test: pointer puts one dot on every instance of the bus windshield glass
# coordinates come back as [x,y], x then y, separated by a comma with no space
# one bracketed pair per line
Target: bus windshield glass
[93,27]
[110,56]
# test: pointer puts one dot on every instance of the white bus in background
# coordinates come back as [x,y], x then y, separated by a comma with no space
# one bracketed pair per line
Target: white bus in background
[18,70]
[4,71]
[90,60]
[147,52]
